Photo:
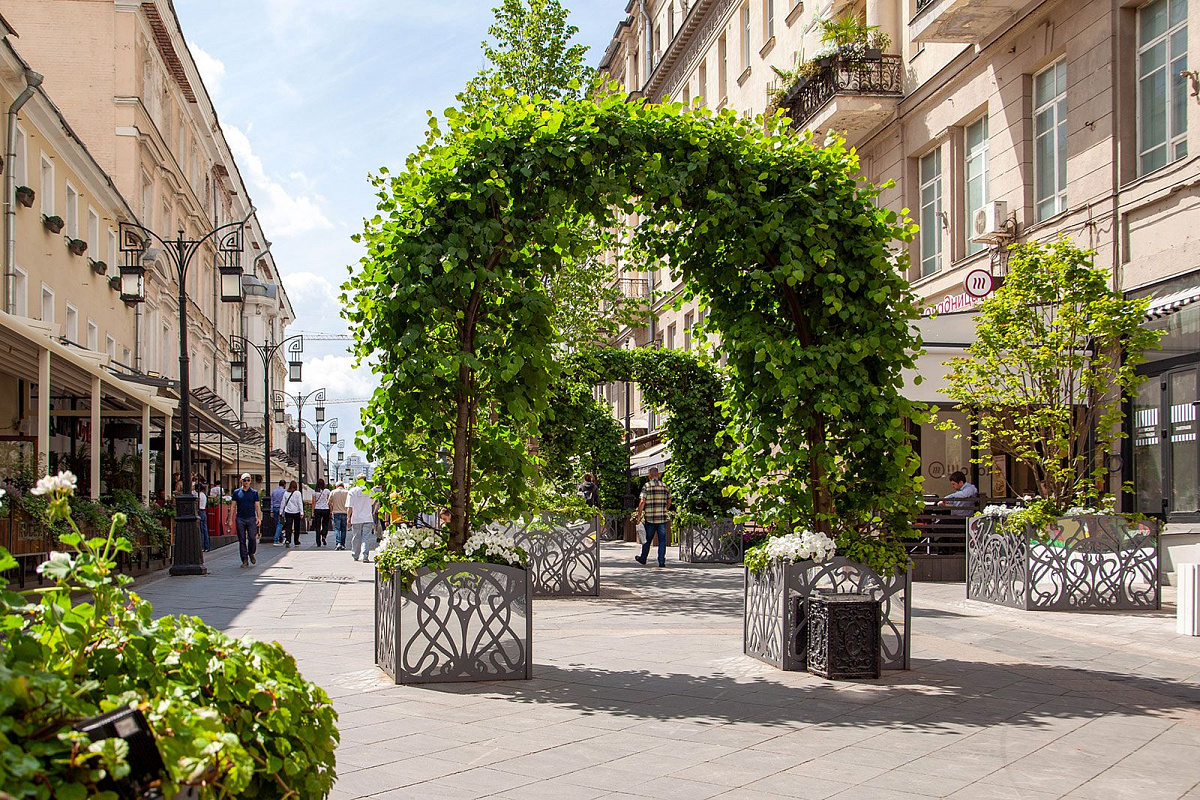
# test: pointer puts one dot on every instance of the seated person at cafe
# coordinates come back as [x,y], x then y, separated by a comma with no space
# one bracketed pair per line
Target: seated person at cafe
[964,500]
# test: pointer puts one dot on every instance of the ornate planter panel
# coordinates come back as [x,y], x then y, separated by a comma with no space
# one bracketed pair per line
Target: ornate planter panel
[719,542]
[784,591]
[613,529]
[468,622]
[564,557]
[1084,563]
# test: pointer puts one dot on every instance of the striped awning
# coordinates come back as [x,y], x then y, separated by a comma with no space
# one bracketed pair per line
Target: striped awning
[1168,304]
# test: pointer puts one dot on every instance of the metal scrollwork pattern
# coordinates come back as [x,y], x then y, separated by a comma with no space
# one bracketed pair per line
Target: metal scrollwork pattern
[719,542]
[837,575]
[613,529]
[468,622]
[386,613]
[1084,563]
[564,556]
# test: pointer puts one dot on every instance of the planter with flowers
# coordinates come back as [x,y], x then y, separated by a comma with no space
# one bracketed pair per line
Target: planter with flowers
[713,541]
[442,616]
[783,573]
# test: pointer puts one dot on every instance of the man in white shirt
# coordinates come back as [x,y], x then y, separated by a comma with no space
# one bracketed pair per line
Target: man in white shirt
[362,525]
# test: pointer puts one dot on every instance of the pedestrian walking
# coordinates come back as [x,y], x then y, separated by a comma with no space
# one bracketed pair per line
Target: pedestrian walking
[277,512]
[249,515]
[202,505]
[293,515]
[321,516]
[652,510]
[362,523]
[589,490]
[337,512]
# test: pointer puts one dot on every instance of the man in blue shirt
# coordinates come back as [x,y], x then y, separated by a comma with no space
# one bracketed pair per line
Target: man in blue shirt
[249,516]
[964,500]
[277,512]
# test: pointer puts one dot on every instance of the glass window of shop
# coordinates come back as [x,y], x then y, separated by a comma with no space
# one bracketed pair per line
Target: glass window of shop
[943,452]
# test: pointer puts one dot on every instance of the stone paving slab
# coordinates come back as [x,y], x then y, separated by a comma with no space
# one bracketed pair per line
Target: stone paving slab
[644,693]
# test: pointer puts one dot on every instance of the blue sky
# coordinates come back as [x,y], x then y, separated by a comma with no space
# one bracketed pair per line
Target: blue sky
[314,96]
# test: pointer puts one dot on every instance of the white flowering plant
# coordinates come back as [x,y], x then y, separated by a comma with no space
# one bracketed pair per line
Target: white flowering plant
[405,549]
[789,548]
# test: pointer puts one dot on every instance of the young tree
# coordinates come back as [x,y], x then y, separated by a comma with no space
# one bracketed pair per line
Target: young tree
[1044,379]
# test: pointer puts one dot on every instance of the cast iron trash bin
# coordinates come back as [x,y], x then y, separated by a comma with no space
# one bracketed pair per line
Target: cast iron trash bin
[843,636]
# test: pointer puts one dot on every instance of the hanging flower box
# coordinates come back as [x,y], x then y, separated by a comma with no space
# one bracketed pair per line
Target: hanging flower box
[77,247]
[1087,562]
[25,196]
[99,267]
[54,224]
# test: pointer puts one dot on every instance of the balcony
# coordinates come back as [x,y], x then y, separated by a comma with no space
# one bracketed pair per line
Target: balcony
[633,288]
[962,21]
[850,95]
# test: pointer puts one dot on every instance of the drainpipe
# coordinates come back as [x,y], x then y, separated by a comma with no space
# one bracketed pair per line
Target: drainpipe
[648,33]
[32,81]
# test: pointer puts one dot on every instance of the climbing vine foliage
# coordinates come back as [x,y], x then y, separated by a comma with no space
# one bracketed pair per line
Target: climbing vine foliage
[776,234]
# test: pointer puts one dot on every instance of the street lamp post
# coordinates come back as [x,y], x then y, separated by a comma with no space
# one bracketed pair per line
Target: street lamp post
[332,443]
[317,427]
[240,345]
[135,243]
[317,396]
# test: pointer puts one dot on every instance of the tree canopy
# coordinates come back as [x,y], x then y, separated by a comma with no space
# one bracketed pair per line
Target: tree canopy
[777,235]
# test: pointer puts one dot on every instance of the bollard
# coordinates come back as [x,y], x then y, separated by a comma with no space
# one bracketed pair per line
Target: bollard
[1187,612]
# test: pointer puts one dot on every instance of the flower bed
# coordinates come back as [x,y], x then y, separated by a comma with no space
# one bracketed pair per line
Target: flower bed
[784,573]
[1082,562]
[564,555]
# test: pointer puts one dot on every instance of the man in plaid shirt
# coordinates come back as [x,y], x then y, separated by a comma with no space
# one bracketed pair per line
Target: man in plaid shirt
[652,509]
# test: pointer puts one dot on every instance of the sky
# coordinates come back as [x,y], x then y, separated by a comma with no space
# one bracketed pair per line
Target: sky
[314,96]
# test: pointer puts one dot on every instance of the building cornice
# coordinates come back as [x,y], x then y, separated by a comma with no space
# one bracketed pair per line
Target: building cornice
[696,30]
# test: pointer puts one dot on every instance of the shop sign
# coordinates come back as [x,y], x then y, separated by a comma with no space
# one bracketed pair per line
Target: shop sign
[978,285]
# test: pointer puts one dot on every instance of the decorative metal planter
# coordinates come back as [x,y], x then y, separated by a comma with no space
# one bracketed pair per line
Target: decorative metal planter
[468,622]
[564,555]
[718,542]
[777,605]
[843,636]
[1084,563]
[613,529]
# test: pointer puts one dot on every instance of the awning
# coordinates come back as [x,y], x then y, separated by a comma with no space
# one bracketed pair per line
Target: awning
[944,337]
[656,456]
[1168,304]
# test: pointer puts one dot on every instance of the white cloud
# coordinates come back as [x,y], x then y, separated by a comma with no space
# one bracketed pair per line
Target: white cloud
[212,70]
[282,213]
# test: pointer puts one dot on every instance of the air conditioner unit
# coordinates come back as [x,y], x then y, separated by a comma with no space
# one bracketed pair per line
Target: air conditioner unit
[989,224]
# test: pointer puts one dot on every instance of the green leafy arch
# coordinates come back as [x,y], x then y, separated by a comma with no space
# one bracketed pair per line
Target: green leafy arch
[778,236]
[582,431]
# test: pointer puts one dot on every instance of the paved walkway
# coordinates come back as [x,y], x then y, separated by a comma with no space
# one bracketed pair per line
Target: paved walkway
[645,693]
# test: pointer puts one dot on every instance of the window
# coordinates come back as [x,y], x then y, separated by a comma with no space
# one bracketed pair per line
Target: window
[20,159]
[93,336]
[72,212]
[1050,141]
[687,93]
[746,36]
[671,336]
[931,212]
[1162,88]
[20,292]
[657,51]
[768,19]
[110,346]
[47,305]
[147,199]
[688,322]
[722,67]
[125,357]
[47,187]
[702,89]
[975,177]
[670,23]
[93,233]
[72,332]
[112,250]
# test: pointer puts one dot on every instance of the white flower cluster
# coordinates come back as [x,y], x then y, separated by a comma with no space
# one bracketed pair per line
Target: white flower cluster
[52,484]
[497,545]
[408,538]
[997,511]
[54,556]
[800,546]
[1107,508]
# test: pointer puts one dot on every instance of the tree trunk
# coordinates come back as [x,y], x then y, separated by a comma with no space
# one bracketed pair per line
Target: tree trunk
[464,400]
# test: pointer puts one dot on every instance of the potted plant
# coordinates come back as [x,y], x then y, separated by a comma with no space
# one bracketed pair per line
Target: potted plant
[114,283]
[25,196]
[1055,355]
[880,42]
[77,247]
[99,267]
[53,223]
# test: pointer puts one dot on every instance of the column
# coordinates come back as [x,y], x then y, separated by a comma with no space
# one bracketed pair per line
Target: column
[885,14]
[95,444]
[168,467]
[43,429]
[146,454]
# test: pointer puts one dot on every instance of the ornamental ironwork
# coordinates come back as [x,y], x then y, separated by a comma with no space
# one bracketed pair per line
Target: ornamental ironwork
[717,542]
[1082,563]
[467,622]
[843,75]
[777,609]
[843,636]
[564,555]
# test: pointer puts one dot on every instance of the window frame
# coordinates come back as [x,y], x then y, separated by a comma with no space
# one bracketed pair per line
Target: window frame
[1173,82]
[71,211]
[1058,106]
[979,153]
[747,36]
[21,157]
[46,174]
[71,324]
[937,205]
[723,67]
[48,292]
[93,335]
[20,292]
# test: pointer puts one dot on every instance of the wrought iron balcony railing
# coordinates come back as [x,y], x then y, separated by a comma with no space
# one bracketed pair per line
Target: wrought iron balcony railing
[921,4]
[854,75]
[633,288]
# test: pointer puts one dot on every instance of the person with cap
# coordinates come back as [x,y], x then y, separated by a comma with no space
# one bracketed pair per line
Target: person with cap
[653,510]
[360,506]
[249,517]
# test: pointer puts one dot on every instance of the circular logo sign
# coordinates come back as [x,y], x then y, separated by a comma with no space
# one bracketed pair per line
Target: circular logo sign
[979,283]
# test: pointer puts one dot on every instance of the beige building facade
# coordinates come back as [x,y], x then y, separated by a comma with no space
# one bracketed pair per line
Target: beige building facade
[996,122]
